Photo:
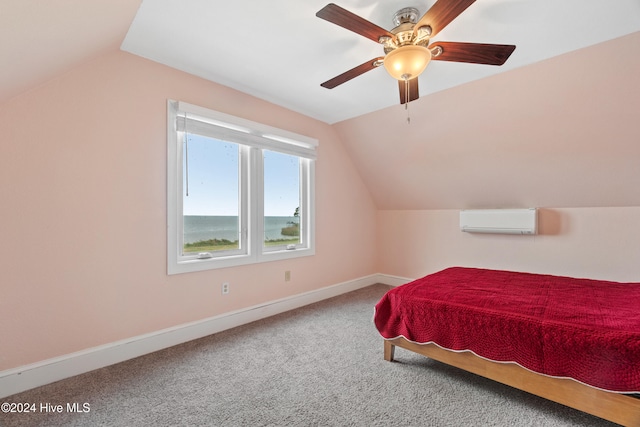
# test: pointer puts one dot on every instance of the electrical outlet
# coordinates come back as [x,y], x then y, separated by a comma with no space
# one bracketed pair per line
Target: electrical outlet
[225,288]
[287,276]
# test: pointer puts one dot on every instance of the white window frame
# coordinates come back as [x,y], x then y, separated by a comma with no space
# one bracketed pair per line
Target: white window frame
[253,138]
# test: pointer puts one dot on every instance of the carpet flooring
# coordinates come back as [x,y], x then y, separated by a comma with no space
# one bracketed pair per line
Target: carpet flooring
[319,365]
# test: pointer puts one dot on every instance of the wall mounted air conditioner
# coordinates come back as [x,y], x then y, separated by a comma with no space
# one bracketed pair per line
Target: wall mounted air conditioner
[499,221]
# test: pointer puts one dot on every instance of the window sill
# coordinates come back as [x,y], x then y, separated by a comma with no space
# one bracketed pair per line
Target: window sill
[192,265]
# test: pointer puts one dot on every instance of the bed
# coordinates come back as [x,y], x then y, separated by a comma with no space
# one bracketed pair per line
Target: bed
[573,341]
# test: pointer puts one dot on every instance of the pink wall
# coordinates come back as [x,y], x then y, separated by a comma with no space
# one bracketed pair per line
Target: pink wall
[599,243]
[561,134]
[83,190]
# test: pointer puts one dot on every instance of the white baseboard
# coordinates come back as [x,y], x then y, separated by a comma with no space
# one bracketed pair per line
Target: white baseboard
[26,377]
[394,281]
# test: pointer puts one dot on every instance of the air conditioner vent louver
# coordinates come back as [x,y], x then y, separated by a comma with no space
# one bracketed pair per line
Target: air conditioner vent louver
[499,221]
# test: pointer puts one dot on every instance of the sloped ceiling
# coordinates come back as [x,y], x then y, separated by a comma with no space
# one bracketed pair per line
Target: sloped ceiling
[557,127]
[39,39]
[563,132]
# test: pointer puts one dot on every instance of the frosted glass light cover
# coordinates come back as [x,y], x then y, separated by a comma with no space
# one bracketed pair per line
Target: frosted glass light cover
[407,62]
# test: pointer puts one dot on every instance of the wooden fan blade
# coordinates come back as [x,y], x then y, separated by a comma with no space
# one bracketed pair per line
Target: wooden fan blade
[442,13]
[413,90]
[342,17]
[475,53]
[354,72]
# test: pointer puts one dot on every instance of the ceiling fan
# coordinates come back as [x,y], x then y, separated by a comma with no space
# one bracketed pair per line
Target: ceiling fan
[408,48]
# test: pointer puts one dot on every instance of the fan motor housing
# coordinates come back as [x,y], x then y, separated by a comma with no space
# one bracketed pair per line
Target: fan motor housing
[405,15]
[405,21]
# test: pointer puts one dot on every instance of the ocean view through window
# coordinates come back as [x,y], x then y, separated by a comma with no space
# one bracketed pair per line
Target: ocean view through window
[211,177]
[281,196]
[239,192]
[202,228]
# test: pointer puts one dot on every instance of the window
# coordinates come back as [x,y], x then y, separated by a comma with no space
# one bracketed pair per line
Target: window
[239,192]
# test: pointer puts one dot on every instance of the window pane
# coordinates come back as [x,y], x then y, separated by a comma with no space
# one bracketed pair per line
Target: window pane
[210,204]
[281,199]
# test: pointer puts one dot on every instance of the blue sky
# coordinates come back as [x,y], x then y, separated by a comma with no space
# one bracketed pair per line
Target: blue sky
[281,183]
[213,189]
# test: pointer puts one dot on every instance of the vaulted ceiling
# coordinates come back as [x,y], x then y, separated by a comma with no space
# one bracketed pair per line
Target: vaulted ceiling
[555,126]
[280,51]
[559,133]
[40,39]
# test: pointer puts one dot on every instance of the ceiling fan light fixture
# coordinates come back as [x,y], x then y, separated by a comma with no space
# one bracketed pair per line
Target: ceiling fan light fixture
[407,62]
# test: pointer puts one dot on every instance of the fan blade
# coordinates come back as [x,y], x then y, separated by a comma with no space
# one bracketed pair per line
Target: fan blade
[413,90]
[342,17]
[352,73]
[475,53]
[442,13]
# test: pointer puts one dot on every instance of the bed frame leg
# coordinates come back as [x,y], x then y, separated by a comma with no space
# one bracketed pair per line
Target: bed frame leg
[389,350]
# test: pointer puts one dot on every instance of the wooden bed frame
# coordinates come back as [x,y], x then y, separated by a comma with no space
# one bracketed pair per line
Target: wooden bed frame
[618,408]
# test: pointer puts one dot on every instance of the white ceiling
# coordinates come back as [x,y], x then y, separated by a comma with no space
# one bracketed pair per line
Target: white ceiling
[280,51]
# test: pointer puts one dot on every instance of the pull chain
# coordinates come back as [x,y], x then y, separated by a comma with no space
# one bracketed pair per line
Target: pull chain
[406,99]
[186,155]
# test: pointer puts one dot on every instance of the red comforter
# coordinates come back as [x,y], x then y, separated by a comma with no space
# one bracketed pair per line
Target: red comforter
[583,329]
